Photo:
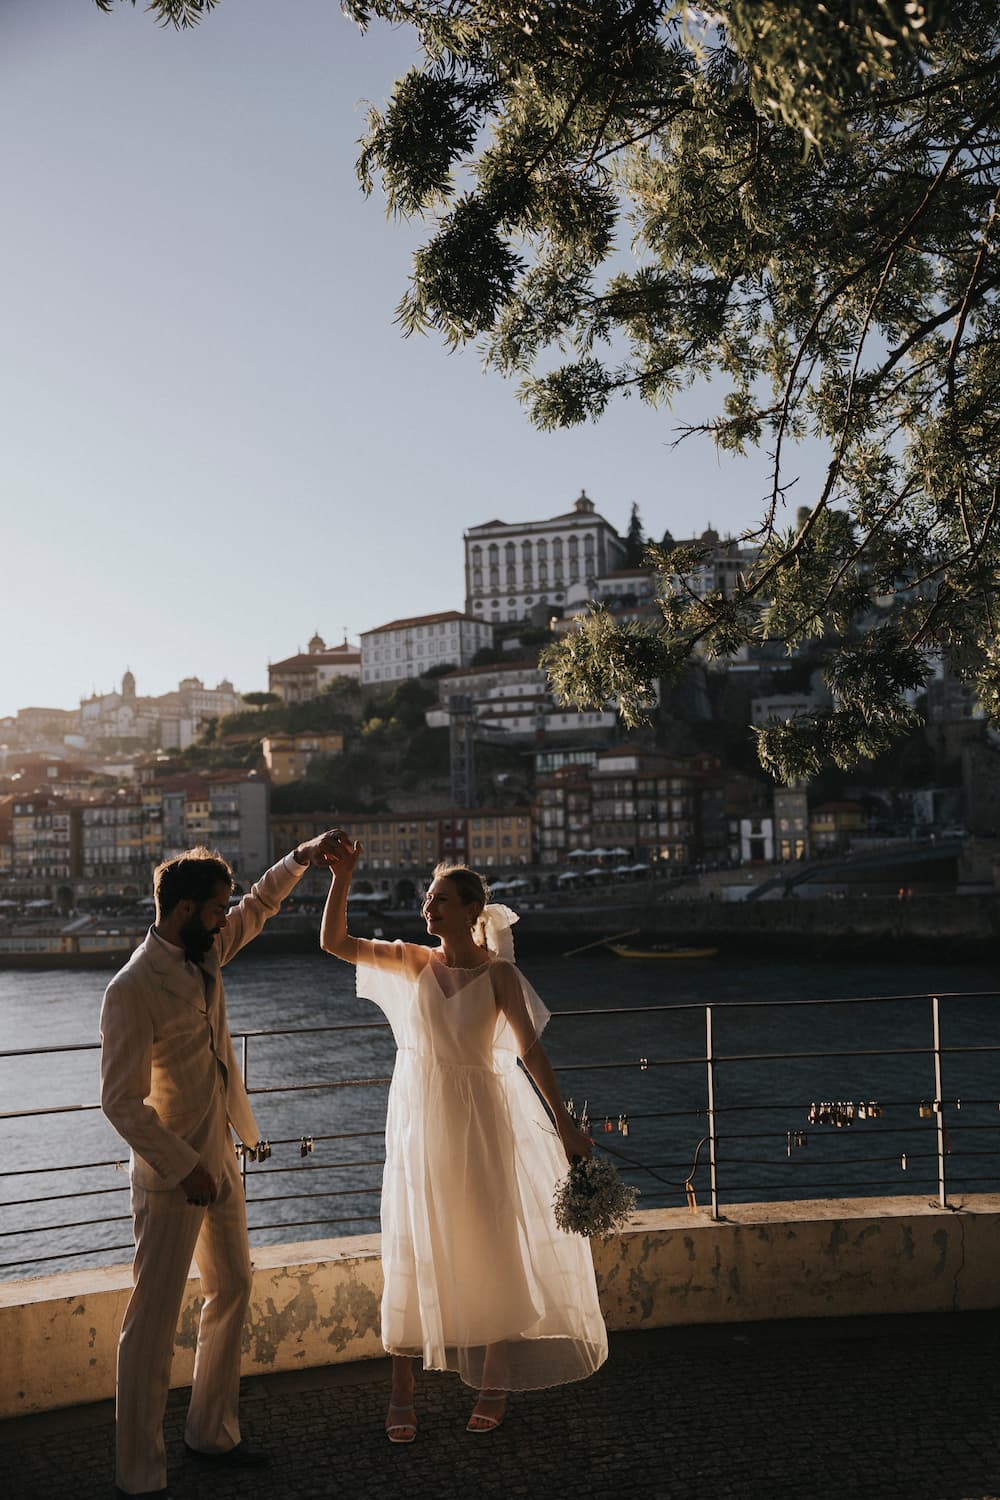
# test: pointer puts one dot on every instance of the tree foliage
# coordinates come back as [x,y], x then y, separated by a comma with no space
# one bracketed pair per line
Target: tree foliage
[261,700]
[178,13]
[635,541]
[796,200]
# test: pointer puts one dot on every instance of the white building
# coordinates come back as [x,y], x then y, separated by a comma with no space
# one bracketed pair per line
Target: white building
[118,716]
[516,571]
[513,698]
[725,559]
[626,593]
[170,721]
[408,648]
[303,676]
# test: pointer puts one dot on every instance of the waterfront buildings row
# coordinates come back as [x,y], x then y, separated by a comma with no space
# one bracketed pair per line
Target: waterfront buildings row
[642,809]
[622,812]
[56,849]
[57,852]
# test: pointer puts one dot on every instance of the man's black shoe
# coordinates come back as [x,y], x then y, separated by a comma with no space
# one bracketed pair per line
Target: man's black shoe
[142,1494]
[240,1457]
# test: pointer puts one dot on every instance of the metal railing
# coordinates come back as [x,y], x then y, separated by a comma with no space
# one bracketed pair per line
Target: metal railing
[924,1139]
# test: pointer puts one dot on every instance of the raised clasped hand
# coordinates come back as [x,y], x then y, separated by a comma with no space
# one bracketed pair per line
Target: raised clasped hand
[322,850]
[343,856]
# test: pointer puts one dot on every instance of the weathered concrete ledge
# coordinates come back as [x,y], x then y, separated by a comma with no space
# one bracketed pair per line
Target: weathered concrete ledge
[317,1302]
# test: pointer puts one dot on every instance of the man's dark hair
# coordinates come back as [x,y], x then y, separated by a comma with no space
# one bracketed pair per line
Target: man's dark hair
[190,877]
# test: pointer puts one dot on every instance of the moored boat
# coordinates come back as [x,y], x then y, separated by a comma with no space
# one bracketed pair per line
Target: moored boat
[660,950]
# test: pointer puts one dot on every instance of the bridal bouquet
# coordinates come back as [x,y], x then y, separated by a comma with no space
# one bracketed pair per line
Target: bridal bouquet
[592,1199]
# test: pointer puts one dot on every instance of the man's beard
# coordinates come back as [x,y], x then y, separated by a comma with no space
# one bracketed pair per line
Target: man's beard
[196,939]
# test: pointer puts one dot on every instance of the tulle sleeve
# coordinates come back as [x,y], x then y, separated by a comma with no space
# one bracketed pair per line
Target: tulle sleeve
[522,1001]
[386,974]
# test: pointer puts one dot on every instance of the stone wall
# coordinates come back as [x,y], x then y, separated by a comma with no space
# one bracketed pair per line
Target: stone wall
[317,1302]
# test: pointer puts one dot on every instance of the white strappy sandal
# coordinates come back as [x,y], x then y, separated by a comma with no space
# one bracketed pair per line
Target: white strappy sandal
[402,1432]
[485,1423]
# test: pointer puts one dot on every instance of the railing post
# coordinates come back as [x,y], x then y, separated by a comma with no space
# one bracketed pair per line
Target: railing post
[938,1098]
[710,1063]
[243,1154]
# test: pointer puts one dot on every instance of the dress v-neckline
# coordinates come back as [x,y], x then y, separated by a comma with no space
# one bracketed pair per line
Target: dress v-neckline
[476,973]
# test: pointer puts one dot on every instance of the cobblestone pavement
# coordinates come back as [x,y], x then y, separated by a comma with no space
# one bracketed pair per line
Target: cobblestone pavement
[902,1408]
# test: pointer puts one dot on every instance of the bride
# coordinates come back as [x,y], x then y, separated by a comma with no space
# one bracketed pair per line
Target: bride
[478,1279]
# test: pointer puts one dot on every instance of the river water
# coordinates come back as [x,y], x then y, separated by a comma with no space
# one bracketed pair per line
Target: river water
[620,1055]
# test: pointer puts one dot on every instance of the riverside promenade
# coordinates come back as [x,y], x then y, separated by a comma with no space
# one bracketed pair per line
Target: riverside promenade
[892,1408]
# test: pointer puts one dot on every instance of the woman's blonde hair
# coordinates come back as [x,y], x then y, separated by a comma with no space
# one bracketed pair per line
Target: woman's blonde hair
[471,886]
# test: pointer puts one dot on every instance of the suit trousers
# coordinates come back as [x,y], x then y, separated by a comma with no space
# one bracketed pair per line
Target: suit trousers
[168,1232]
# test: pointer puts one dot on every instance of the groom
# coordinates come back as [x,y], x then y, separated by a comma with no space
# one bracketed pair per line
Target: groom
[170,1085]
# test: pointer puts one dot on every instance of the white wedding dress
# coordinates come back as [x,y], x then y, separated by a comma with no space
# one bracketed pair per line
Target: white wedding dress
[478,1278]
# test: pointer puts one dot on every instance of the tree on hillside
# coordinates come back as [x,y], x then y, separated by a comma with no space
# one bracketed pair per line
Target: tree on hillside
[635,541]
[796,200]
[811,197]
[260,700]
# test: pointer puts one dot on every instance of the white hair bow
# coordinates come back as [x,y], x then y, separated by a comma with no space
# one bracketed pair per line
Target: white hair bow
[496,922]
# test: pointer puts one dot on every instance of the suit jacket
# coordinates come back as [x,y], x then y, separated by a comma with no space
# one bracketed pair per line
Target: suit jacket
[170,1083]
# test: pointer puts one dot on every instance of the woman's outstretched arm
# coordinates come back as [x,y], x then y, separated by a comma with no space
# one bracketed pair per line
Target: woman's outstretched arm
[333,934]
[510,999]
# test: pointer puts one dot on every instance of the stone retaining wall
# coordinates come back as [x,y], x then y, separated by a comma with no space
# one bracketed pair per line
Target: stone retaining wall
[317,1302]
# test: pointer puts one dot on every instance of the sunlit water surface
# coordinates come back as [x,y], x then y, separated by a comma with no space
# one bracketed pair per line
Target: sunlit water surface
[658,1081]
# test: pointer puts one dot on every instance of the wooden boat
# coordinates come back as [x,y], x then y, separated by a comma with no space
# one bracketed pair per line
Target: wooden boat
[661,950]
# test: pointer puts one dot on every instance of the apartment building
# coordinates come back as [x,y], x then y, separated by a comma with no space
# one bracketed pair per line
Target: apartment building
[513,699]
[45,845]
[411,844]
[289,756]
[114,841]
[562,810]
[410,647]
[500,839]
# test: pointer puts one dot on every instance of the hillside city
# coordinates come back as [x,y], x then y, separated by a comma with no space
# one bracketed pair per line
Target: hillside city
[436,737]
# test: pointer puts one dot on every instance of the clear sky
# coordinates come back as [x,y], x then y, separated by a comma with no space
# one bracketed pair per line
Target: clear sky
[214,439]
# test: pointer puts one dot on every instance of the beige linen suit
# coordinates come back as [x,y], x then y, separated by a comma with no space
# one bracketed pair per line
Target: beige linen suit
[171,1086]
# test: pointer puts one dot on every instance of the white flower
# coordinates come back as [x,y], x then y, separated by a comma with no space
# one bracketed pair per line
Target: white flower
[592,1199]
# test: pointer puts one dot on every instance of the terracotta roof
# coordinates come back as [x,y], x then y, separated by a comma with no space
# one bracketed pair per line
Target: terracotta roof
[449,614]
[306,660]
[238,773]
[180,781]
